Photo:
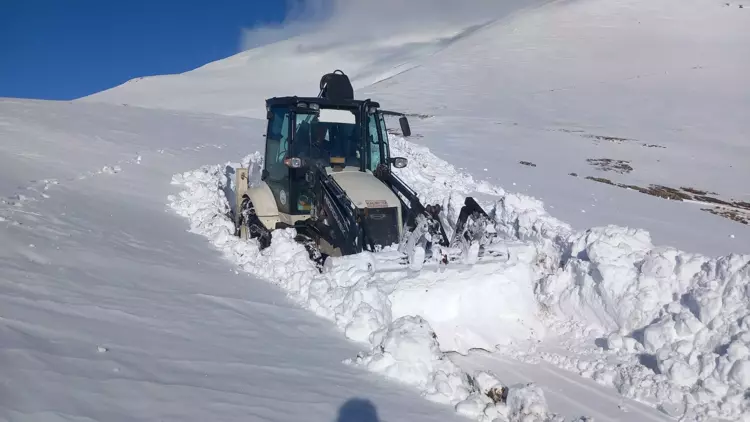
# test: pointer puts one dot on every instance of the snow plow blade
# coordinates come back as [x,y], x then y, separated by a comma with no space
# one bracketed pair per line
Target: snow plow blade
[394,261]
[427,247]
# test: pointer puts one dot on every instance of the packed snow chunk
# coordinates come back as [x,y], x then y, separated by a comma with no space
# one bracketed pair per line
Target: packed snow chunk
[658,334]
[676,368]
[527,404]
[360,306]
[615,342]
[524,218]
[488,305]
[740,373]
[617,278]
[488,403]
[409,352]
[110,169]
[721,290]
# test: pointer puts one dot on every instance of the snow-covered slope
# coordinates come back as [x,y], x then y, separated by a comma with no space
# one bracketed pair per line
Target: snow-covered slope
[635,92]
[631,93]
[238,85]
[111,311]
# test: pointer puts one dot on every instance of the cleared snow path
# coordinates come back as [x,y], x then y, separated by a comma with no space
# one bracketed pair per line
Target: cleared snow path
[111,311]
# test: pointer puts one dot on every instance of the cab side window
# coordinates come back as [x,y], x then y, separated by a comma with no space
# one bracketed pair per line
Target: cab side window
[277,144]
[384,135]
[373,142]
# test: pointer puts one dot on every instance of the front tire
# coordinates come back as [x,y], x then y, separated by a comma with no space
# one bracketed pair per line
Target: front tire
[250,226]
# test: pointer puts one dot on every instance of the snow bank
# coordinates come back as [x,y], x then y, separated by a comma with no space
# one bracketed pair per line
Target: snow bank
[687,317]
[493,304]
[678,323]
[406,347]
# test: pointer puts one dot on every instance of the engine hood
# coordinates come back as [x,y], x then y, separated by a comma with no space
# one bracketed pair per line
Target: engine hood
[364,189]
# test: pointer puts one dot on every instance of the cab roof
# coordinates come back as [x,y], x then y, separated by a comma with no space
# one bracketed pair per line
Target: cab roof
[281,101]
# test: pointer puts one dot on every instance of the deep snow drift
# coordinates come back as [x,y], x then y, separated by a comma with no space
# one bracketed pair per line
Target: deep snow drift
[651,304]
[405,348]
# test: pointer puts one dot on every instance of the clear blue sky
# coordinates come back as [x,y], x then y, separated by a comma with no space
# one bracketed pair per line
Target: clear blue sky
[65,49]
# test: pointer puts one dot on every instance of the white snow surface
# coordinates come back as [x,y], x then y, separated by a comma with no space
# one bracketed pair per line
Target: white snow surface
[648,298]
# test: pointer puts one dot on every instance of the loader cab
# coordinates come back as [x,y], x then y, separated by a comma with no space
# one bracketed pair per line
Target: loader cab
[343,135]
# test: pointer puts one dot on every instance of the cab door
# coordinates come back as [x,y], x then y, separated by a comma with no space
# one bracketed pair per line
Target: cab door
[377,141]
[276,173]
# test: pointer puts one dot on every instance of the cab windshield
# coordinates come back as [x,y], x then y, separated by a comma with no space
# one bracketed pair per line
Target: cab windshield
[332,137]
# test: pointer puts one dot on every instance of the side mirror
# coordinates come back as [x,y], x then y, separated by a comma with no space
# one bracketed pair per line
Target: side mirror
[405,129]
[399,162]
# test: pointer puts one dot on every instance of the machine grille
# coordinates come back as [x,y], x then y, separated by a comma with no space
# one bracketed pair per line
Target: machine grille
[381,225]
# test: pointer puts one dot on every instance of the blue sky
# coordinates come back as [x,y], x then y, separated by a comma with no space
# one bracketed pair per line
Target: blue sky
[66,49]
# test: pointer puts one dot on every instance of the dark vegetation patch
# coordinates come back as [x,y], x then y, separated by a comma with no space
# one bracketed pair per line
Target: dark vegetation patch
[609,164]
[419,116]
[615,139]
[710,200]
[668,193]
[608,138]
[619,140]
[695,191]
[527,163]
[601,180]
[736,213]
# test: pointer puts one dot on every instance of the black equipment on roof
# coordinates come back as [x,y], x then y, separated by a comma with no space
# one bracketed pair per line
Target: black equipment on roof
[336,86]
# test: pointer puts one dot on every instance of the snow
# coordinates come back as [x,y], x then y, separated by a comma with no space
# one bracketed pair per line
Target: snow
[639,302]
[648,301]
[361,304]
